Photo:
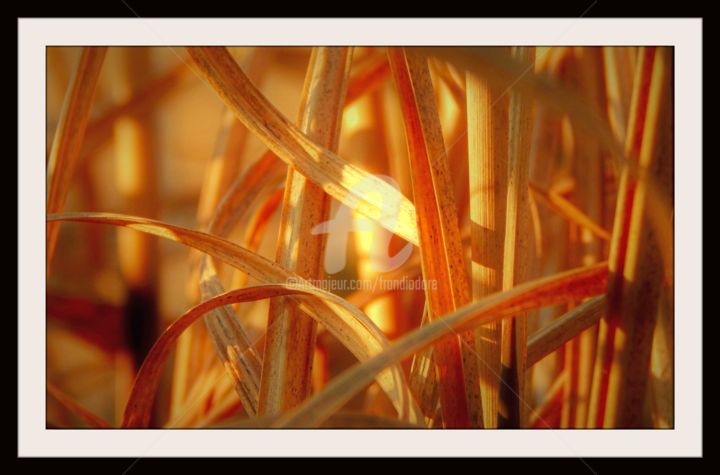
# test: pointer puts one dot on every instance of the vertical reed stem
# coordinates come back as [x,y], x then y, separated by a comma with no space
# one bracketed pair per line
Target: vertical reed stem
[438,227]
[487,117]
[290,342]
[518,245]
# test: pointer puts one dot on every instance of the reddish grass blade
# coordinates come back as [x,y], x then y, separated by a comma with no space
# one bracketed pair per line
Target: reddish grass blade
[440,244]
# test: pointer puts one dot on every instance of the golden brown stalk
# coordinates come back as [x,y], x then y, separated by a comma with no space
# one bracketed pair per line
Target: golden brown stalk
[620,234]
[633,295]
[265,173]
[441,247]
[69,137]
[487,112]
[516,259]
[290,341]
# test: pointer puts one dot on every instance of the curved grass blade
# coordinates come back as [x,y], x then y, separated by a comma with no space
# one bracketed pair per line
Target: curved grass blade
[560,288]
[69,137]
[369,195]
[353,328]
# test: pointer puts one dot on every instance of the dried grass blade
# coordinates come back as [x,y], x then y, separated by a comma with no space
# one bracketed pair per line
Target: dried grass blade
[69,137]
[369,195]
[265,174]
[441,246]
[560,288]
